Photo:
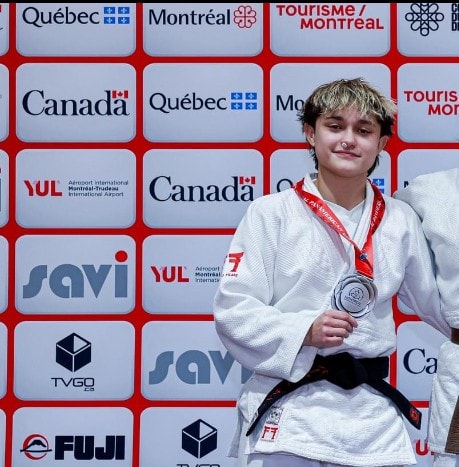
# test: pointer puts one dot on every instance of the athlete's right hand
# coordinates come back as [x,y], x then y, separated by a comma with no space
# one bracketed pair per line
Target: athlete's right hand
[330,329]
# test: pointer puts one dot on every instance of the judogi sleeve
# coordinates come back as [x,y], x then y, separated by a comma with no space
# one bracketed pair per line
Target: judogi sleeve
[435,198]
[260,336]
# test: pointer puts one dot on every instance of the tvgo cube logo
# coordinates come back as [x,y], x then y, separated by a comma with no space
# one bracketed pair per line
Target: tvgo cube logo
[199,438]
[75,274]
[74,360]
[74,352]
[186,436]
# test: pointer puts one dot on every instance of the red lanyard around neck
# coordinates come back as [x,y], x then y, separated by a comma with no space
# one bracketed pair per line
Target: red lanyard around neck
[364,256]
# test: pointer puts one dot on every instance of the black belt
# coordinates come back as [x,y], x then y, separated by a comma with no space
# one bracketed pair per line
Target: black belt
[455,336]
[452,440]
[346,372]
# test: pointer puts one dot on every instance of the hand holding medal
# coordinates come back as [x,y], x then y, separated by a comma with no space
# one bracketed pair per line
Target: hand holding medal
[355,293]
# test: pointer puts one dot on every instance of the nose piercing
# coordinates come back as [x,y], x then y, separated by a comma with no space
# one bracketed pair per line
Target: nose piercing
[344,145]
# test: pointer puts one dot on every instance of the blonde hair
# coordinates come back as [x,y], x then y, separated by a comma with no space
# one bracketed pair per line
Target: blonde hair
[349,93]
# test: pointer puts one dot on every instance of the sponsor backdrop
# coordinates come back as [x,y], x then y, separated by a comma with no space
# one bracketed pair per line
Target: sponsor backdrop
[133,136]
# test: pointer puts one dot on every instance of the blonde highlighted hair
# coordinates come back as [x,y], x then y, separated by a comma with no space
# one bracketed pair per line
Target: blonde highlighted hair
[344,94]
[349,93]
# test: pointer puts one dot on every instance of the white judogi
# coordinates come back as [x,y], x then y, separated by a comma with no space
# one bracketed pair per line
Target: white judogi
[435,197]
[283,265]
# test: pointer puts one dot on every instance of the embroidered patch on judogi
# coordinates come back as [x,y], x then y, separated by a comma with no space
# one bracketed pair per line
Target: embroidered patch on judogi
[271,426]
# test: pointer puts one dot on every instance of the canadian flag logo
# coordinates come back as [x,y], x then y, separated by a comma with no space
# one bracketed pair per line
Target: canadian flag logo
[120,94]
[247,180]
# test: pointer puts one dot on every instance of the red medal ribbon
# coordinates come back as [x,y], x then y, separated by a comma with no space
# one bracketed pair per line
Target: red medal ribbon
[364,256]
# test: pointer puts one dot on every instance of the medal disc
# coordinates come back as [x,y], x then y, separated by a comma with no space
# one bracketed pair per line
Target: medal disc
[355,294]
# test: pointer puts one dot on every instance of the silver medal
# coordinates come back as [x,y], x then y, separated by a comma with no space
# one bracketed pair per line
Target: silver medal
[355,294]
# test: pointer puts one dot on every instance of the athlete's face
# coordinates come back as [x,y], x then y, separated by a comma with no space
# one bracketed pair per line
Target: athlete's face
[346,142]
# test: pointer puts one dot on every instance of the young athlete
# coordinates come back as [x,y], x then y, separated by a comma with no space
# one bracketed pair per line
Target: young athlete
[435,197]
[305,298]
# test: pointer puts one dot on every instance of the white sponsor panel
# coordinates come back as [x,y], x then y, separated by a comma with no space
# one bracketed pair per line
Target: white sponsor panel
[181,272]
[330,29]
[4,28]
[424,457]
[4,100]
[187,436]
[203,102]
[290,165]
[82,274]
[186,361]
[74,360]
[292,83]
[418,345]
[200,188]
[4,273]
[2,437]
[3,370]
[72,436]
[75,29]
[414,162]
[428,29]
[4,187]
[203,29]
[75,102]
[428,96]
[86,188]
